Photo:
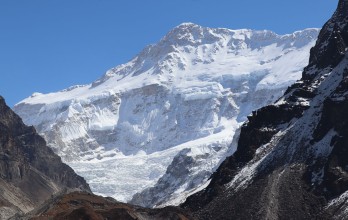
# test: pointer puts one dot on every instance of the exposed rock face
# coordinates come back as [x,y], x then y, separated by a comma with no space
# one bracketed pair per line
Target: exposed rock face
[177,183]
[30,172]
[291,160]
[87,206]
[332,41]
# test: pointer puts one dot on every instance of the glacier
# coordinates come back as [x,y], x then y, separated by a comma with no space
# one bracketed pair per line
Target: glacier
[153,130]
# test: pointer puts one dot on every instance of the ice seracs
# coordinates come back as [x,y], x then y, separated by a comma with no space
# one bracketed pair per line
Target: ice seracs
[191,90]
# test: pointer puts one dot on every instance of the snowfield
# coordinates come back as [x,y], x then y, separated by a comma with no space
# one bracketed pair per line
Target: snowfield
[178,103]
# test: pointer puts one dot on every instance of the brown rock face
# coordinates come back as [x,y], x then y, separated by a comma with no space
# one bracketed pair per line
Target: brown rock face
[30,172]
[79,205]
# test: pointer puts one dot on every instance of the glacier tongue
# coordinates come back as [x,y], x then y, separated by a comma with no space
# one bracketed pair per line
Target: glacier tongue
[182,98]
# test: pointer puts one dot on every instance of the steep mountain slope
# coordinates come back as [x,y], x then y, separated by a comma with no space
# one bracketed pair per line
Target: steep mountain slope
[181,98]
[30,172]
[291,160]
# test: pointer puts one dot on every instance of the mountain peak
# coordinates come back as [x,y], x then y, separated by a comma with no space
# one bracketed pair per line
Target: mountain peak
[189,44]
[185,34]
[187,25]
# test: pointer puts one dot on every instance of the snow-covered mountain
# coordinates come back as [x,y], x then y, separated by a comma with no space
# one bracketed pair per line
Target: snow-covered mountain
[167,118]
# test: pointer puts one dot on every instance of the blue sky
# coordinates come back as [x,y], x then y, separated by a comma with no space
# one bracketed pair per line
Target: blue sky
[49,45]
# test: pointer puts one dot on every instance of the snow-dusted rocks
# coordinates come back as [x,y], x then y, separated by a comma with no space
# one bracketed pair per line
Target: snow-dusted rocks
[181,98]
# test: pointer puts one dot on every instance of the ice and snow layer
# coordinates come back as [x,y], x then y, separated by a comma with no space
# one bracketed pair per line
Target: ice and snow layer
[185,95]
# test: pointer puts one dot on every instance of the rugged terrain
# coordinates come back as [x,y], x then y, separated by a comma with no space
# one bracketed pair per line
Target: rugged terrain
[291,160]
[179,103]
[30,172]
[81,205]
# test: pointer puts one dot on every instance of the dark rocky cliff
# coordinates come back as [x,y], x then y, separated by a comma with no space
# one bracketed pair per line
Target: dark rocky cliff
[292,156]
[30,172]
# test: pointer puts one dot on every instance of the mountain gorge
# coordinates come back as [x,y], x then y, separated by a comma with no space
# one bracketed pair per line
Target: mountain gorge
[153,130]
[30,172]
[291,159]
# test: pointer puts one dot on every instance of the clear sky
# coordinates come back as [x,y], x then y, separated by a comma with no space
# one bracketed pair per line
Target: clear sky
[49,45]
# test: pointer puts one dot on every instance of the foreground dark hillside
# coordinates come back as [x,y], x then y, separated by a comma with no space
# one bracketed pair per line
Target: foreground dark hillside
[81,205]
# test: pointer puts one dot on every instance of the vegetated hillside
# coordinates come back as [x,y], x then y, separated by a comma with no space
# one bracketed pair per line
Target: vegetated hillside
[30,172]
[292,156]
[180,100]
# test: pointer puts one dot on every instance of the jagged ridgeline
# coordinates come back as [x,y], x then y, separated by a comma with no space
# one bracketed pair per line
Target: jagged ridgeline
[292,156]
